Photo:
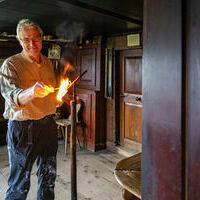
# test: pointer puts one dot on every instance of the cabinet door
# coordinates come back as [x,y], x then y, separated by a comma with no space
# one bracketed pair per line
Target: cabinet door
[87,60]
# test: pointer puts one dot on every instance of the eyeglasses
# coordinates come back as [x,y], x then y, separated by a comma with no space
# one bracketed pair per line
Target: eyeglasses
[28,40]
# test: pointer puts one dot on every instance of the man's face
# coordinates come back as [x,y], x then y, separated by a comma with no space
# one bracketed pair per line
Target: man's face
[31,41]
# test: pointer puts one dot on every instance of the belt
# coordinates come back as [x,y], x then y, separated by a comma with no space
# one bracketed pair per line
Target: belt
[35,120]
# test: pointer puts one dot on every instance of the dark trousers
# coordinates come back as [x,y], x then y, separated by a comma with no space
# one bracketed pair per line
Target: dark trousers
[43,136]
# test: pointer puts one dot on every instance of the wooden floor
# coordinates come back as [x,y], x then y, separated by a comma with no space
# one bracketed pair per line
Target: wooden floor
[95,178]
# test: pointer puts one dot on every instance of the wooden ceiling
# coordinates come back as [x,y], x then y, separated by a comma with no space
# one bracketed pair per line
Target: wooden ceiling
[67,18]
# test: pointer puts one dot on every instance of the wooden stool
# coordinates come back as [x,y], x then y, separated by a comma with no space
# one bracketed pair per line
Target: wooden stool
[65,124]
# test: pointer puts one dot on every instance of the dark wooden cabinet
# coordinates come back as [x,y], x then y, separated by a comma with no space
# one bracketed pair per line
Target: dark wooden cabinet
[7,48]
[3,123]
[91,91]
[93,135]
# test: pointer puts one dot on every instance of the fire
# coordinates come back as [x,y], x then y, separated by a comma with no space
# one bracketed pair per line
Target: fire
[63,88]
[67,66]
[64,83]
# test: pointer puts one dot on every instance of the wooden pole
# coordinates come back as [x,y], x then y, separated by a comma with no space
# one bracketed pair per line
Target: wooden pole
[73,147]
[73,141]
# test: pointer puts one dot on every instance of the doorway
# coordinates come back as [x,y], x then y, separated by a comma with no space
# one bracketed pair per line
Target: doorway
[130,97]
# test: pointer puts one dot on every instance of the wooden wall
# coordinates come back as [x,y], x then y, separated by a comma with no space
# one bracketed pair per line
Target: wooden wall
[171,64]
[192,61]
[162,101]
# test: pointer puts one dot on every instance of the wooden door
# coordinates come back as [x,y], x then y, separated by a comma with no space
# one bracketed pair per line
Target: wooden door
[130,96]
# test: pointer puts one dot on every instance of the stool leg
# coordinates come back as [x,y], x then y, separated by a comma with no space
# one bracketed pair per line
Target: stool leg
[67,134]
[78,125]
[62,131]
[66,140]
[78,142]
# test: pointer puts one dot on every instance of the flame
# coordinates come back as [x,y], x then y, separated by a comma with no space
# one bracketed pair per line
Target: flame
[64,83]
[63,88]
[67,65]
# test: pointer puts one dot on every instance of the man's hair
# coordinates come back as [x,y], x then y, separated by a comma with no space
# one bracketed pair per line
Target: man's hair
[27,23]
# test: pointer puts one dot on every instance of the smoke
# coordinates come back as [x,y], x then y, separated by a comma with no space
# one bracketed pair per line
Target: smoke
[70,31]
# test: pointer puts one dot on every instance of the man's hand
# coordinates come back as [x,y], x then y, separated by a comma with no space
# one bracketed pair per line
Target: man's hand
[42,90]
[38,90]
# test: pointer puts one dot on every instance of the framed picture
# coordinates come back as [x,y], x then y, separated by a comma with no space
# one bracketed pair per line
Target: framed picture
[109,55]
[54,52]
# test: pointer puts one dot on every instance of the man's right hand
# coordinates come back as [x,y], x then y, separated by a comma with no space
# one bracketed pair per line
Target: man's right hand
[38,90]
[41,90]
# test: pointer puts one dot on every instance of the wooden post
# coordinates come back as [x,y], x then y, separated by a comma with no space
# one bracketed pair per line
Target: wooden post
[73,147]
[73,140]
[162,72]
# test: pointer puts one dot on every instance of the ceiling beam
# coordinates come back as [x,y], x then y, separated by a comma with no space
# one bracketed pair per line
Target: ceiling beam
[101,11]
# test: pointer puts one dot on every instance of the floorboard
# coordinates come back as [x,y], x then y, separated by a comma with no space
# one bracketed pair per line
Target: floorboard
[95,175]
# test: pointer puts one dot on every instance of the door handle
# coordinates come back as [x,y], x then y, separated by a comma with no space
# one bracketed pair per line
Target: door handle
[122,95]
[138,99]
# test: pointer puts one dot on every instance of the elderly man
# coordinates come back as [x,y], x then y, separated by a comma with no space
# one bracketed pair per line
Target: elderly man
[29,104]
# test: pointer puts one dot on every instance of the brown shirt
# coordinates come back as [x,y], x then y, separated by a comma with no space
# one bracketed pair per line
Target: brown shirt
[25,73]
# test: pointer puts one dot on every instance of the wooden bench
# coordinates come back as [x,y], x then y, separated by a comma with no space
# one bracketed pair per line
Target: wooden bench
[128,174]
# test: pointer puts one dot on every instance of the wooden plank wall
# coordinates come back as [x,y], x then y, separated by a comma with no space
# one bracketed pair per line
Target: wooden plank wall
[162,86]
[193,99]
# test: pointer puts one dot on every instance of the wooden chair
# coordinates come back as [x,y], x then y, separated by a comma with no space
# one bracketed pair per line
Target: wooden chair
[65,124]
[128,174]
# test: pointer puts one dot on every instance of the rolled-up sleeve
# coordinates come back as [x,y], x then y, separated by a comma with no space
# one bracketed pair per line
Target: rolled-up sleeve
[10,85]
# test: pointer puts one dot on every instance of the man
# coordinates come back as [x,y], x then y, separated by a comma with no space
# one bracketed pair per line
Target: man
[27,84]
